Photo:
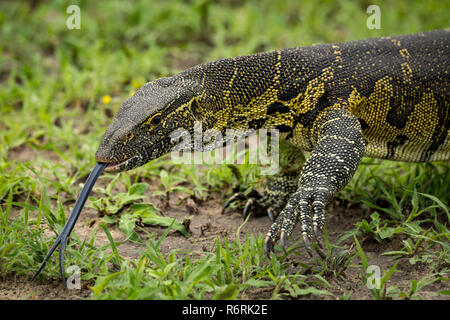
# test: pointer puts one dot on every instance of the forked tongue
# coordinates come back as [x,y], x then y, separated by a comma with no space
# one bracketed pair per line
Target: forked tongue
[70,223]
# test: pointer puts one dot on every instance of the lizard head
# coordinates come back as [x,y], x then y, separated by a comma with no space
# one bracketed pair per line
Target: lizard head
[141,129]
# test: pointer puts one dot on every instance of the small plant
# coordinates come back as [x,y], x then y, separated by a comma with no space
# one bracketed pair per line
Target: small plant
[377,285]
[335,262]
[112,203]
[132,212]
[378,229]
[170,183]
[416,286]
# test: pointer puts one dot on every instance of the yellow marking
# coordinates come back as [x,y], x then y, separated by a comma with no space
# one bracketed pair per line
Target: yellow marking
[128,137]
[407,72]
[396,42]
[404,53]
[306,101]
[300,138]
[354,100]
[149,120]
[230,83]
[337,52]
[419,128]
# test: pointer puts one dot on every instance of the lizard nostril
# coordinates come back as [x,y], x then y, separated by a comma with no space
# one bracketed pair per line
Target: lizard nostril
[129,136]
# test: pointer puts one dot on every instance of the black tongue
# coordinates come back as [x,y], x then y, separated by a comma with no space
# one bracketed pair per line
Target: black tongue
[70,223]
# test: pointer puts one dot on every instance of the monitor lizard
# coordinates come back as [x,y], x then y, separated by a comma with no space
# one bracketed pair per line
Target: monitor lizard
[385,98]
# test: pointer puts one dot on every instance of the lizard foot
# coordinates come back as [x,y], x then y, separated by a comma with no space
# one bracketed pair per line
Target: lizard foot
[306,206]
[274,198]
[253,204]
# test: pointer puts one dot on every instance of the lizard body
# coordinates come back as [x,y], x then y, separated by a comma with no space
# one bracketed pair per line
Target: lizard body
[385,98]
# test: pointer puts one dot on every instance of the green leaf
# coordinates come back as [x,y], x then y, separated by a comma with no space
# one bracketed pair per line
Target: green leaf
[145,206]
[151,218]
[312,290]
[159,193]
[202,272]
[182,189]
[361,254]
[102,282]
[227,293]
[109,219]
[388,232]
[388,274]
[395,253]
[113,209]
[408,245]
[127,224]
[257,283]
[439,202]
[164,176]
[111,240]
[138,189]
[413,286]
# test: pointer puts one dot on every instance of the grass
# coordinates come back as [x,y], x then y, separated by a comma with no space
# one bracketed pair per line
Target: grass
[60,88]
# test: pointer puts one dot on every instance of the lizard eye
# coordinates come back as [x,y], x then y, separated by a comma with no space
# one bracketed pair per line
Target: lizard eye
[156,120]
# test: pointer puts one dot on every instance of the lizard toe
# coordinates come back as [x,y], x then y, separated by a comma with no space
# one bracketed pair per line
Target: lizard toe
[234,197]
[247,207]
[268,246]
[307,245]
[271,214]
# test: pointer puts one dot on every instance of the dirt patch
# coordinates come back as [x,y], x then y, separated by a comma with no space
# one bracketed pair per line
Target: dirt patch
[24,153]
[21,288]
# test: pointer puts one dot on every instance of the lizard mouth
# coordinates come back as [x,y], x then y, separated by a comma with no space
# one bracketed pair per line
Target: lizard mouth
[118,166]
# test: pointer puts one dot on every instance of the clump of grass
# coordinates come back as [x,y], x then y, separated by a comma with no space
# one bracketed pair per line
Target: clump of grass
[232,270]
[376,283]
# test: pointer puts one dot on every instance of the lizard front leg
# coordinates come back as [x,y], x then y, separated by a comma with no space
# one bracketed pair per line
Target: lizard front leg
[332,163]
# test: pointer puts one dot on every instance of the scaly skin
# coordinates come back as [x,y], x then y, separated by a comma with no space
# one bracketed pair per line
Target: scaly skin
[385,98]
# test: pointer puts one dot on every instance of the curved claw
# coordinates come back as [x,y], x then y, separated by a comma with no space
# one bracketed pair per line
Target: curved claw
[70,223]
[235,196]
[247,207]
[270,213]
[268,246]
[317,236]
[307,246]
[283,241]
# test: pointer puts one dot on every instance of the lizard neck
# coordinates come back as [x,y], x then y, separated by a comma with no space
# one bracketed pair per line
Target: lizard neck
[271,90]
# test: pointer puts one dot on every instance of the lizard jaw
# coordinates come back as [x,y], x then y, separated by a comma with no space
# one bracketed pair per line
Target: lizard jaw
[119,166]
